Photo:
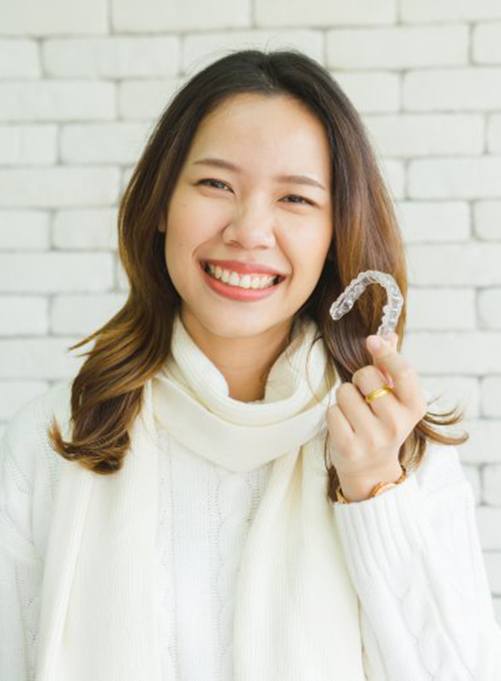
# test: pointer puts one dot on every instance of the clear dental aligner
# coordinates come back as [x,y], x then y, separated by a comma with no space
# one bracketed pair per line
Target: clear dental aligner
[391,311]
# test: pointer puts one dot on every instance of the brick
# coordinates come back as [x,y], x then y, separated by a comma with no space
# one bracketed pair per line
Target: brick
[120,277]
[427,135]
[445,352]
[370,91]
[81,315]
[103,143]
[494,134]
[145,99]
[125,177]
[321,14]
[397,47]
[475,264]
[15,394]
[26,17]
[19,59]
[487,220]
[393,174]
[39,359]
[155,15]
[59,186]
[26,315]
[490,404]
[491,480]
[493,569]
[486,43]
[28,144]
[450,391]
[24,230]
[85,229]
[52,100]
[441,308]
[111,57]
[489,522]
[56,272]
[482,446]
[489,308]
[452,89]
[433,221]
[449,10]
[200,49]
[463,178]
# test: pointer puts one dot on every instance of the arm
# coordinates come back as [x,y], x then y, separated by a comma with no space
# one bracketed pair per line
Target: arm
[415,560]
[20,565]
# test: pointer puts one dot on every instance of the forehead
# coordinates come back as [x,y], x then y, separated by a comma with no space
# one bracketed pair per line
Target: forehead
[258,131]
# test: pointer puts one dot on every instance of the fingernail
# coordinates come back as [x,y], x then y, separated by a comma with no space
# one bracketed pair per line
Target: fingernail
[375,342]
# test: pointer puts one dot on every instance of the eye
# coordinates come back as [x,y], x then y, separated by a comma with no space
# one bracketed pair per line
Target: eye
[302,200]
[212,180]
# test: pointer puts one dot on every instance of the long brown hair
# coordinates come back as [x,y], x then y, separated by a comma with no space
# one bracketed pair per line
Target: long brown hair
[106,394]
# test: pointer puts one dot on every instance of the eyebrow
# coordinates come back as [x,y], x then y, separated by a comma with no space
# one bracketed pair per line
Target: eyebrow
[296,179]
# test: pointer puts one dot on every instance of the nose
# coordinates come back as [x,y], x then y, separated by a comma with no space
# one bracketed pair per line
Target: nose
[251,229]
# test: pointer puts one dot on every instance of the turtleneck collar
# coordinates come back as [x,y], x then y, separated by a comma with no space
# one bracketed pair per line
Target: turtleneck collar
[191,400]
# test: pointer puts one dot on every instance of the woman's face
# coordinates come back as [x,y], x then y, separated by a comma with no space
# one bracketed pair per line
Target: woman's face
[250,214]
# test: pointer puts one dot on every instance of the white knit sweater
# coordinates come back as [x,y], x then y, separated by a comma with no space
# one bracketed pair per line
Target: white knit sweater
[443,627]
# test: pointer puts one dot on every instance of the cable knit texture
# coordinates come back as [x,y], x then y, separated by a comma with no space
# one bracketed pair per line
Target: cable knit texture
[412,554]
[202,534]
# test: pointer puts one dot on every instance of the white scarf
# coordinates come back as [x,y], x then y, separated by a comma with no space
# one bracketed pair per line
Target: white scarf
[296,614]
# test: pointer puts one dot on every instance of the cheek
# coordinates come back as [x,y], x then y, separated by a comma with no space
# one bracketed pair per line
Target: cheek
[186,231]
[308,253]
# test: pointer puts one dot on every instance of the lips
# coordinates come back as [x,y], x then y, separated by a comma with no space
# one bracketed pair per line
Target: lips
[241,267]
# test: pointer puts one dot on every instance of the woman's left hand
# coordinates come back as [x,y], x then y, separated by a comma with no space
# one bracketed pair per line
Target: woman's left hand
[365,438]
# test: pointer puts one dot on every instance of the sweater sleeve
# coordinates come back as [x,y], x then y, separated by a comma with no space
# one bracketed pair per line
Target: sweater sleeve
[416,563]
[20,563]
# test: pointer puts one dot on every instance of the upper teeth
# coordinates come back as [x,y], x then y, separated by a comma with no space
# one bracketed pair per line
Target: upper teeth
[244,281]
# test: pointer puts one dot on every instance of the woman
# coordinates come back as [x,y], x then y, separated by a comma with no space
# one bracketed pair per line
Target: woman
[200,502]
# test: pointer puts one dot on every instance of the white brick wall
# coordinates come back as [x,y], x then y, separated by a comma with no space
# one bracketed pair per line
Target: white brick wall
[81,84]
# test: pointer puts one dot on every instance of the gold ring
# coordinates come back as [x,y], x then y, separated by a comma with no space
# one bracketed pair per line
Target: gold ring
[378,392]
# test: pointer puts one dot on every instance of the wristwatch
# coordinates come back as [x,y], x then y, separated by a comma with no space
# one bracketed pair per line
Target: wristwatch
[377,489]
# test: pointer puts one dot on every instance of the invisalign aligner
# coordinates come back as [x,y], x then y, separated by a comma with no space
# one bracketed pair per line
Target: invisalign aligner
[391,311]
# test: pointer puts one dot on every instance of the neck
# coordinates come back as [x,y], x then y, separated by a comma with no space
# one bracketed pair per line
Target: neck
[245,362]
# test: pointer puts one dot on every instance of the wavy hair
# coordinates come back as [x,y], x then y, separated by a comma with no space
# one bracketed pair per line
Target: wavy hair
[106,394]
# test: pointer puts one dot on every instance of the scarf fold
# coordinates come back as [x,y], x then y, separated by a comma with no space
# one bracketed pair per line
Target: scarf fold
[296,612]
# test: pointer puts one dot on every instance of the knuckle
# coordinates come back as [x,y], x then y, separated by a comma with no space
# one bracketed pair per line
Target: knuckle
[375,439]
[393,429]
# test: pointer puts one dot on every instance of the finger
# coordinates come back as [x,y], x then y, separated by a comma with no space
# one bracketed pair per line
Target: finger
[340,429]
[406,385]
[356,410]
[387,407]
[394,343]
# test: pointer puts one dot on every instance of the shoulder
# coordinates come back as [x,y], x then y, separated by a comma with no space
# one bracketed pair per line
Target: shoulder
[27,428]
[29,468]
